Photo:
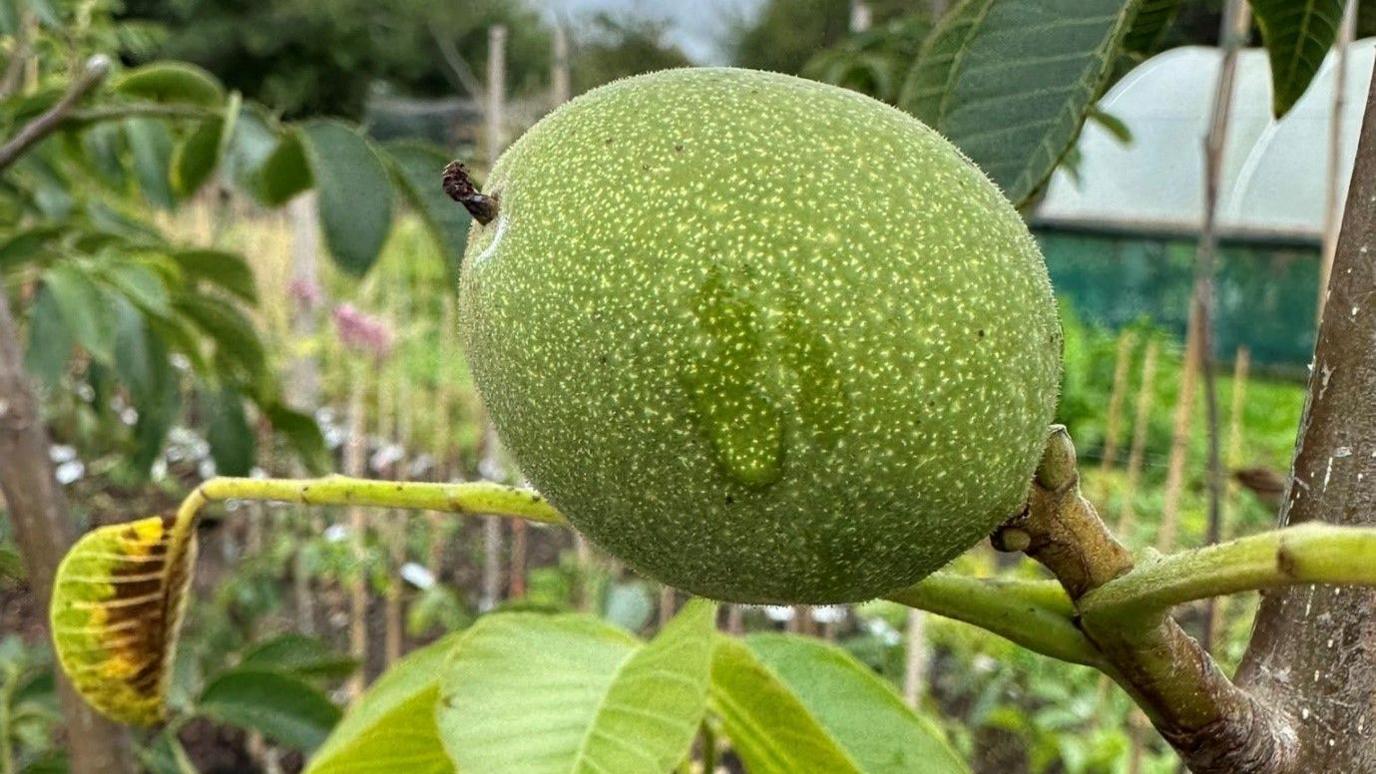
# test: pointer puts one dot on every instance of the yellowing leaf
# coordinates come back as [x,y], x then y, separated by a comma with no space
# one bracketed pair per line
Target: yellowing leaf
[117,605]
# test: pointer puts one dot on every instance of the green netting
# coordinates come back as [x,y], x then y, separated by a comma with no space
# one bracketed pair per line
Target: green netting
[1266,292]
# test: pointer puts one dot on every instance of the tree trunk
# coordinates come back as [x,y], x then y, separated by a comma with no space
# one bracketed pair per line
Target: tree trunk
[44,531]
[1313,651]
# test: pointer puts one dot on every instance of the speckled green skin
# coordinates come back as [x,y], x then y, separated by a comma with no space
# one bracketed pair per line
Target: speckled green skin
[762,339]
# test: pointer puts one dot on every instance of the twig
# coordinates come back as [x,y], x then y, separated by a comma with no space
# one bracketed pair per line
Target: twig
[1036,615]
[1309,553]
[478,498]
[97,67]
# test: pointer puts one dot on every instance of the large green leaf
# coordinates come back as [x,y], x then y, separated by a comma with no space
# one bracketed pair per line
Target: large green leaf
[142,364]
[103,146]
[140,284]
[233,445]
[282,707]
[797,704]
[9,18]
[528,693]
[171,82]
[196,157]
[151,146]
[1153,19]
[225,269]
[50,341]
[1297,34]
[392,727]
[355,193]
[417,168]
[302,433]
[26,245]
[85,309]
[1010,81]
[300,655]
[283,173]
[236,340]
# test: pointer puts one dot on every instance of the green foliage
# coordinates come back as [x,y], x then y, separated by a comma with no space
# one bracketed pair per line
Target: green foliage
[605,703]
[326,58]
[28,708]
[1297,34]
[874,62]
[787,34]
[304,657]
[618,47]
[284,708]
[794,704]
[1016,110]
[355,193]
[393,723]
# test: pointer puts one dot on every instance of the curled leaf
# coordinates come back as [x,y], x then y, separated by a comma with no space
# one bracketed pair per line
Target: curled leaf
[117,605]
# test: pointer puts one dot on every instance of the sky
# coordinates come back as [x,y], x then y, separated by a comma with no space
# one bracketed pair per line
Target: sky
[696,26]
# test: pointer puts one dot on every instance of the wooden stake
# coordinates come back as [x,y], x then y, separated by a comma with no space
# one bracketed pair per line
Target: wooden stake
[444,399]
[915,665]
[1242,364]
[496,140]
[1237,25]
[355,454]
[398,520]
[1180,442]
[561,88]
[1115,401]
[861,16]
[735,619]
[668,601]
[1141,428]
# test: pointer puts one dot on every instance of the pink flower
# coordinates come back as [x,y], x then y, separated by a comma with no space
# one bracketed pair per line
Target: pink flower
[306,292]
[363,332]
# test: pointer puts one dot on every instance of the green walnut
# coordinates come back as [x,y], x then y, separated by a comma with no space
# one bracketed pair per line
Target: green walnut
[763,339]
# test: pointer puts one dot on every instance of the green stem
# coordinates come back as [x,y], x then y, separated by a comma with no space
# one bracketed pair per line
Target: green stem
[469,498]
[1309,553]
[1034,614]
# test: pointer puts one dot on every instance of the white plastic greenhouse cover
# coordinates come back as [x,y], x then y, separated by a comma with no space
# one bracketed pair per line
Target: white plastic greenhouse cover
[1274,172]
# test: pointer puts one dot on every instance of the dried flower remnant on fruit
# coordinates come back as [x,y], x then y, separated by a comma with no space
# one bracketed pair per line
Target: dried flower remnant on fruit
[458,185]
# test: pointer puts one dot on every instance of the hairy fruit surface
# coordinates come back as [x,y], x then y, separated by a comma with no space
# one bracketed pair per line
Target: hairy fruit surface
[763,339]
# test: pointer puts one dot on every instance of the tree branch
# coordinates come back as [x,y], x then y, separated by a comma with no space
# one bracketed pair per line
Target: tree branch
[1213,724]
[1313,649]
[97,67]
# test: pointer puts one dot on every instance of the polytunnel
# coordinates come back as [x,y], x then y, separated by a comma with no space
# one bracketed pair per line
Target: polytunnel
[1120,224]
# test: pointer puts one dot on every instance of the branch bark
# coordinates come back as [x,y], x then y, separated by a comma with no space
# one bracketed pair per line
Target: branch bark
[1313,650]
[44,531]
[1214,725]
[97,67]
